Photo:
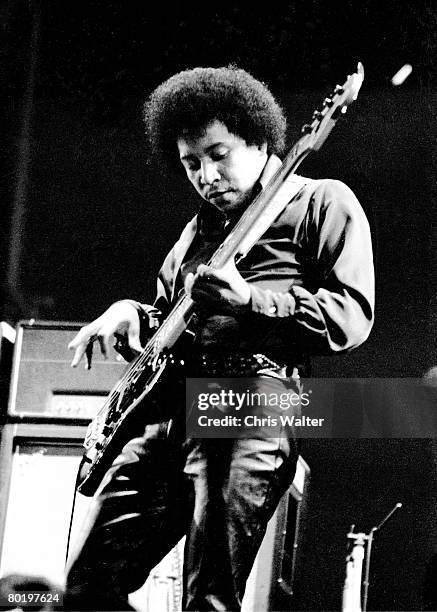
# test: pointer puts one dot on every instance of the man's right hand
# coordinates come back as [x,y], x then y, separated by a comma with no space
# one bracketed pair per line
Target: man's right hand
[121,318]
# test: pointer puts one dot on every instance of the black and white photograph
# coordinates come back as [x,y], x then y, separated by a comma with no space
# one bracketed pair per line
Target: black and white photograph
[218,306]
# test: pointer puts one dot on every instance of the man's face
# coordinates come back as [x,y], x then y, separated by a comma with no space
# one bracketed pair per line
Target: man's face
[221,166]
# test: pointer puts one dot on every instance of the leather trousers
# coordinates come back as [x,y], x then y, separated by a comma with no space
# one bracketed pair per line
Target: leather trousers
[220,493]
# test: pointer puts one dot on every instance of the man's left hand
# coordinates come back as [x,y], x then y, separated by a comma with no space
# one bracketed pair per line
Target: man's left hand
[224,288]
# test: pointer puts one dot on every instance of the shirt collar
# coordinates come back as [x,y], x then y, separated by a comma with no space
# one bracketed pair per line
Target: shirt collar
[212,220]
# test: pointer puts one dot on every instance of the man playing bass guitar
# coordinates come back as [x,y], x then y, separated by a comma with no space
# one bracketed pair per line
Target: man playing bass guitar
[306,287]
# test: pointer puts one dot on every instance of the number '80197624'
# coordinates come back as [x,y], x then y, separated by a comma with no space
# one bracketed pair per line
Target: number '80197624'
[24,598]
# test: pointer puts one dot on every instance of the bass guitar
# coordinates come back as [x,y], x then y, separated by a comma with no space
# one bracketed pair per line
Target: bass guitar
[107,432]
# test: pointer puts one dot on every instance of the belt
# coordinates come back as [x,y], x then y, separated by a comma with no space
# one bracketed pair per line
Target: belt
[233,365]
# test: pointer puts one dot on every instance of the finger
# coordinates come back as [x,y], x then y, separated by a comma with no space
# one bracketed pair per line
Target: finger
[212,280]
[203,271]
[86,350]
[78,354]
[189,279]
[85,333]
[210,283]
[133,337]
[205,295]
[81,341]
[206,274]
[153,321]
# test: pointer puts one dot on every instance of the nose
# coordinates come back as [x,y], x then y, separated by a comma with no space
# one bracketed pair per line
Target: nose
[208,172]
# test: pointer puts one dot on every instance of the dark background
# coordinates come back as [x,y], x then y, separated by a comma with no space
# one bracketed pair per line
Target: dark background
[97,218]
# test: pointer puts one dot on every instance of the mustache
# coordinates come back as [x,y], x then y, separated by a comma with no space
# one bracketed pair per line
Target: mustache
[213,192]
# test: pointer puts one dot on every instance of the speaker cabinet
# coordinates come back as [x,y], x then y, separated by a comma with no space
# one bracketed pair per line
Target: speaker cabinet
[44,386]
[39,464]
[38,468]
[276,575]
[49,406]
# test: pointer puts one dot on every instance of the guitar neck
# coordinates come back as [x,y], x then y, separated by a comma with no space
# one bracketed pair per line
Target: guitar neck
[262,212]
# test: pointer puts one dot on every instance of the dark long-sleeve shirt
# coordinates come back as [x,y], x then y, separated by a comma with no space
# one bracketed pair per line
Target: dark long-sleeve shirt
[311,275]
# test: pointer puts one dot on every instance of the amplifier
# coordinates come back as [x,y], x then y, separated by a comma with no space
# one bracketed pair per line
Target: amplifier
[276,577]
[44,386]
[38,466]
[7,339]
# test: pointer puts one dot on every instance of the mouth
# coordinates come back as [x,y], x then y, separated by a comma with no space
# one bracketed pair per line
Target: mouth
[216,194]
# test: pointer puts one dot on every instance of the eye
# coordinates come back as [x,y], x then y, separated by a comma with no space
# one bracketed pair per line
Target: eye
[219,154]
[191,164]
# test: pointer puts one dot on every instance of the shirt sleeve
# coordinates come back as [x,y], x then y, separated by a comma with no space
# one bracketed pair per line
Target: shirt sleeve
[166,281]
[334,307]
[151,315]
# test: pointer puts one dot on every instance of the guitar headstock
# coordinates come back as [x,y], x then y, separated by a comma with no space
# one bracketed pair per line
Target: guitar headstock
[333,107]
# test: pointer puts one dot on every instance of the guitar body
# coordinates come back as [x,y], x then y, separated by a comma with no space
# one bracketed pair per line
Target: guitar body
[138,398]
[124,416]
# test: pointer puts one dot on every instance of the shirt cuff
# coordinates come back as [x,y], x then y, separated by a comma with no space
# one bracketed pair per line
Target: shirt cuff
[270,303]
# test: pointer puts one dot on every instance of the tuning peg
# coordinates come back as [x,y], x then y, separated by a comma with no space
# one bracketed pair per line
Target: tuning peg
[317,114]
[306,129]
[338,89]
[328,102]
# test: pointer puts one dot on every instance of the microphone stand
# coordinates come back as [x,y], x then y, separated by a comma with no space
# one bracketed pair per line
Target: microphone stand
[352,585]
